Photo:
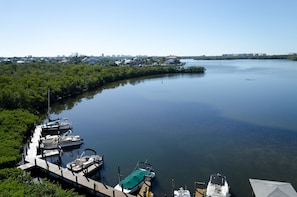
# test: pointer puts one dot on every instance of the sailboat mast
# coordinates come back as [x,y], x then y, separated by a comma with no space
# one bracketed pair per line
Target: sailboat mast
[48,104]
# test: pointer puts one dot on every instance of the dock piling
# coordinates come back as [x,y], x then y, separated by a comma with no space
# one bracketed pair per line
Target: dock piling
[94,189]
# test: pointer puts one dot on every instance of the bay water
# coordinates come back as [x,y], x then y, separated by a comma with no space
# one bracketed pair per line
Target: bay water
[239,118]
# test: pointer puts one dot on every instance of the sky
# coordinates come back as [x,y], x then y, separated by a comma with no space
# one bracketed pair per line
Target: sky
[147,27]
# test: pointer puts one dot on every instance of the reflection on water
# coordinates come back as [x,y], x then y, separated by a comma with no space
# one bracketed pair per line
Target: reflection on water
[237,119]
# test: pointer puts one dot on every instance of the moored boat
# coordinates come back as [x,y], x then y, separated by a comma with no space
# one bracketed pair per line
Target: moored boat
[217,186]
[181,192]
[133,182]
[60,141]
[57,125]
[85,161]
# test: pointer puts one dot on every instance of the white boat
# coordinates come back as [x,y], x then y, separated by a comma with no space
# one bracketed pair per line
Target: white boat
[217,186]
[60,141]
[85,161]
[57,125]
[133,182]
[181,193]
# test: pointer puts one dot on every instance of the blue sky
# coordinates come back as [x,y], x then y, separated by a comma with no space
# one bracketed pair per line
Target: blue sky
[147,27]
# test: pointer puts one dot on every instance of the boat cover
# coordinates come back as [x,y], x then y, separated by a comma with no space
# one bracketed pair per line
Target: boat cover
[134,179]
[264,188]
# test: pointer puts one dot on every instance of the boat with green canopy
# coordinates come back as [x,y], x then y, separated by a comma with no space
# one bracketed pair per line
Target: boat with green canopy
[133,182]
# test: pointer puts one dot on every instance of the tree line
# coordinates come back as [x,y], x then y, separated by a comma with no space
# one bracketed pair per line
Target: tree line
[25,86]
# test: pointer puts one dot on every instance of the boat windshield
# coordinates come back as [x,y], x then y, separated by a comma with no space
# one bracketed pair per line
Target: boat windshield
[217,179]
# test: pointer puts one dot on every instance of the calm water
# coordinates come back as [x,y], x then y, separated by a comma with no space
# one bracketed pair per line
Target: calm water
[239,119]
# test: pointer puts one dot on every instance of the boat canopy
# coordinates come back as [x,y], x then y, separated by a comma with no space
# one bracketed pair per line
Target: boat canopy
[134,179]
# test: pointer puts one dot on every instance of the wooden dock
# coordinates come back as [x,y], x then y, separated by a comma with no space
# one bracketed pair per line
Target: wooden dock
[79,180]
[145,190]
[200,190]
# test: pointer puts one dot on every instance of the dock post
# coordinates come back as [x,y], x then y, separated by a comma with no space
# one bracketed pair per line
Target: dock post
[94,189]
[62,174]
[35,162]
[76,180]
[113,195]
[72,171]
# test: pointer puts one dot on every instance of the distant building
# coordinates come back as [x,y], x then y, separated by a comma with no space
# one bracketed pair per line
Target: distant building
[244,54]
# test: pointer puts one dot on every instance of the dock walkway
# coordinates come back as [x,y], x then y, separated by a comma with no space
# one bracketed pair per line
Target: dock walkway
[78,179]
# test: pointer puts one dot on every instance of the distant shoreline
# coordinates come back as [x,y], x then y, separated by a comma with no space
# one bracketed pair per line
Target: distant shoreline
[234,57]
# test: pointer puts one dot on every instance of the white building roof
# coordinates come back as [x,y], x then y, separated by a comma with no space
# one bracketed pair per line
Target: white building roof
[263,188]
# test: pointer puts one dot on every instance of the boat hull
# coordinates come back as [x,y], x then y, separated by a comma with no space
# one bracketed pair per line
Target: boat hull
[61,145]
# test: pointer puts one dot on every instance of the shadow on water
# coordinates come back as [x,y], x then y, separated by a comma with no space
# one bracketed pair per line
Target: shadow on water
[70,102]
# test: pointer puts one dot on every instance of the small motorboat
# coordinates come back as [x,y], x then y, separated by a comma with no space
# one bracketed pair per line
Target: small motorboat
[217,186]
[57,125]
[85,161]
[181,192]
[60,141]
[133,182]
